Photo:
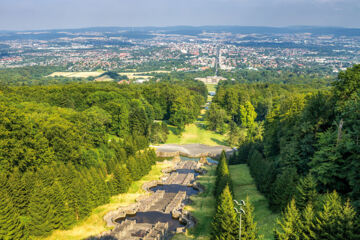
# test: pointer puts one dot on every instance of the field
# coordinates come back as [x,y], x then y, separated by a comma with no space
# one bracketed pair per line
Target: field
[94,224]
[244,186]
[76,74]
[130,75]
[202,208]
[196,133]
[134,75]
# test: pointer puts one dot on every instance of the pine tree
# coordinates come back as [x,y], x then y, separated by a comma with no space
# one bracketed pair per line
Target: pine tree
[122,179]
[134,168]
[79,203]
[110,186]
[101,187]
[248,226]
[63,216]
[307,223]
[336,221]
[306,192]
[222,177]
[41,212]
[350,227]
[289,227]
[225,224]
[18,191]
[223,155]
[90,188]
[326,220]
[10,225]
[29,179]
[66,175]
[283,189]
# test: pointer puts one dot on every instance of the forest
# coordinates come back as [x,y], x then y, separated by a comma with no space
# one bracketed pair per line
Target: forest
[302,147]
[313,76]
[66,148]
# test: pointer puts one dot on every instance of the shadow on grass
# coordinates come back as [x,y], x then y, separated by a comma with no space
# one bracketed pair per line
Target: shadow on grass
[174,130]
[102,238]
[202,126]
[219,142]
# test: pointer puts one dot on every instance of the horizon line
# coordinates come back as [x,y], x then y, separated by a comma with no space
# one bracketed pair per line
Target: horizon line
[188,26]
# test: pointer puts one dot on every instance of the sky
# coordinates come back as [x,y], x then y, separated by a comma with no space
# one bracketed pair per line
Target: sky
[55,14]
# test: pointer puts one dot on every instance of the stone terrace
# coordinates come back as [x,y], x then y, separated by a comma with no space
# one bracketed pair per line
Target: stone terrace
[160,201]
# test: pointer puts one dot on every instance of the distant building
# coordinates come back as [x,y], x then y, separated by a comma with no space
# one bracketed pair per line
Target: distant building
[124,82]
[141,80]
[211,79]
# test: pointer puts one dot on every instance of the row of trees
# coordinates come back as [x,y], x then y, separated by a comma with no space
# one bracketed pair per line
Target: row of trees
[225,224]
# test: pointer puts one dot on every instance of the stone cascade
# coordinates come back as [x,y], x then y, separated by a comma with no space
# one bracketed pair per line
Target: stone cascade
[172,178]
[158,232]
[147,203]
[165,203]
[188,179]
[126,226]
[176,202]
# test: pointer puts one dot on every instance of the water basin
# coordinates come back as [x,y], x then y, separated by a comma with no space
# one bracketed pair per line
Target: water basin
[152,218]
[175,188]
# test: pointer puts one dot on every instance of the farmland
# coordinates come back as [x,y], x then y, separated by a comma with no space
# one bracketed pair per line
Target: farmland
[130,75]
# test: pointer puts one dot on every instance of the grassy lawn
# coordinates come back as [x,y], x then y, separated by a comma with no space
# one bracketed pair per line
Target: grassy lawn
[196,133]
[211,87]
[94,224]
[202,208]
[244,186]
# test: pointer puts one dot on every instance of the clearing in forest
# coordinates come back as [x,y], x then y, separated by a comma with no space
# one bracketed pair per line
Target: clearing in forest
[196,133]
[244,185]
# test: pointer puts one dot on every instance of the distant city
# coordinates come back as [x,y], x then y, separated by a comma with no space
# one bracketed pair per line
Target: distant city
[183,48]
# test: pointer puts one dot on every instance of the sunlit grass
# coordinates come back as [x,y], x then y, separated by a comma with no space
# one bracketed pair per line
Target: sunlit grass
[244,185]
[211,87]
[197,133]
[94,224]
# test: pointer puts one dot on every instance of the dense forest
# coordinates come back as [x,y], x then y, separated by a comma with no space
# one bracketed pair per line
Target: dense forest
[309,76]
[302,147]
[65,149]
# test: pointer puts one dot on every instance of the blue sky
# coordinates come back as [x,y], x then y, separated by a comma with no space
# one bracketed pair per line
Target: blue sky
[50,14]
